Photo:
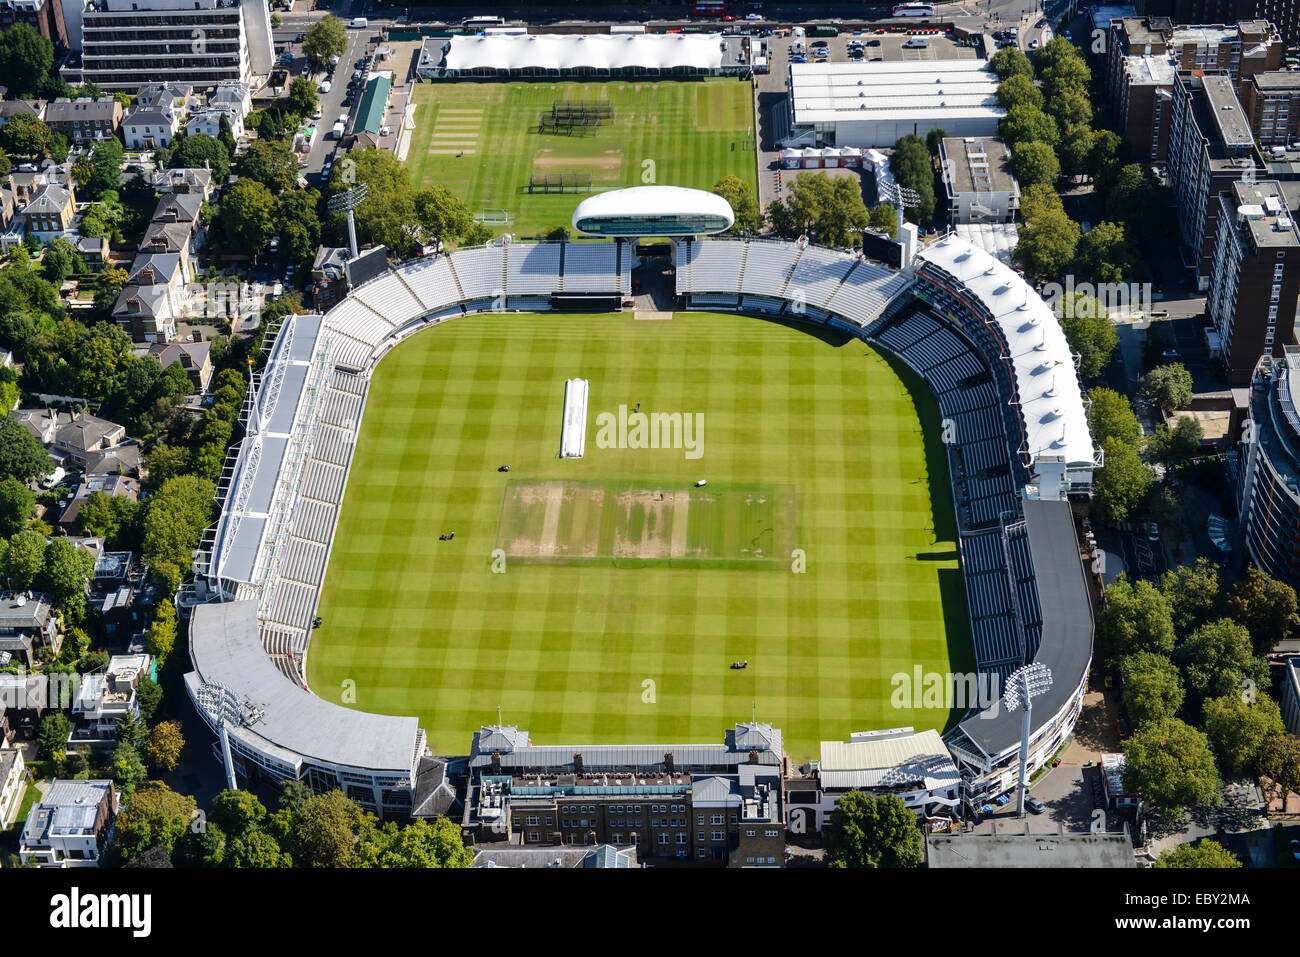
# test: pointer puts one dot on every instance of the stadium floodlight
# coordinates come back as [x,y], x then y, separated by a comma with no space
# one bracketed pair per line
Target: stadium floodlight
[1023,686]
[901,197]
[346,202]
[223,707]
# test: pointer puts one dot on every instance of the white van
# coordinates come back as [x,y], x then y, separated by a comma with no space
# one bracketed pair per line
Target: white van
[916,43]
[325,86]
[359,23]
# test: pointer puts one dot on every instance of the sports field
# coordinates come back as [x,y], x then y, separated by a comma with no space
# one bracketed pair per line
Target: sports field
[603,599]
[481,141]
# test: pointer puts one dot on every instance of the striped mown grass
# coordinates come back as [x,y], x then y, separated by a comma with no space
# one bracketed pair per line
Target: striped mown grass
[599,653]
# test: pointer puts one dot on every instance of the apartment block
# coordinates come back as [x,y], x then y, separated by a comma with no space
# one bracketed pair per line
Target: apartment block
[1271,102]
[1283,13]
[43,16]
[1255,280]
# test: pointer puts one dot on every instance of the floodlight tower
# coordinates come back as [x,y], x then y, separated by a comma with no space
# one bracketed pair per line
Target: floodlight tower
[1023,686]
[222,705]
[902,198]
[346,202]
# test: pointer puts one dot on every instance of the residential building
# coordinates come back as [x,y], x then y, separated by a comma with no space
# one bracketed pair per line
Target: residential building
[1280,12]
[232,97]
[13,782]
[111,484]
[128,43]
[50,212]
[1255,276]
[174,238]
[23,700]
[164,96]
[435,796]
[194,357]
[329,277]
[1271,102]
[10,108]
[978,181]
[1210,147]
[27,623]
[105,699]
[93,251]
[1144,105]
[84,121]
[70,825]
[209,122]
[147,127]
[43,16]
[718,805]
[84,440]
[197,181]
[152,300]
[1268,477]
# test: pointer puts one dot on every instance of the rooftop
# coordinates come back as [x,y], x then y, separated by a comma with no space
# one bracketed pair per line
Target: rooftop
[1263,215]
[826,92]
[1030,850]
[977,164]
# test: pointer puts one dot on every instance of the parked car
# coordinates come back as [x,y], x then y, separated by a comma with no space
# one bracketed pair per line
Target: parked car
[1171,354]
[1034,805]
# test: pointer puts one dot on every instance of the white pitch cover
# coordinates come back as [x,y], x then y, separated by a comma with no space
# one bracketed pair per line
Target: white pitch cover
[573,439]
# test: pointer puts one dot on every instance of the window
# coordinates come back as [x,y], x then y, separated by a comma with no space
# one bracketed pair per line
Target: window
[750,832]
[699,819]
[532,820]
[715,819]
[681,838]
[774,832]
[700,853]
[663,838]
[533,837]
[717,836]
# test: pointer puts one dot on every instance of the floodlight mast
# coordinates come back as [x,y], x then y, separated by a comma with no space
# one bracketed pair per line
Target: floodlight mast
[1023,686]
[902,197]
[346,202]
[221,703]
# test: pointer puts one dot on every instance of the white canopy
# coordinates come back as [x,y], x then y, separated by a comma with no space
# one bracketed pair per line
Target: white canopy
[657,51]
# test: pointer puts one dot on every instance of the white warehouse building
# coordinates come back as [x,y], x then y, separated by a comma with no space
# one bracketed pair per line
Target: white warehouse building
[872,104]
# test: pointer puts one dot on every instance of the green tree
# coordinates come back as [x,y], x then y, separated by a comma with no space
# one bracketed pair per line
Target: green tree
[417,845]
[246,215]
[21,455]
[106,159]
[913,168]
[1035,163]
[934,139]
[326,831]
[1170,764]
[25,135]
[66,574]
[297,223]
[883,219]
[1169,386]
[174,520]
[301,98]
[162,633]
[1132,196]
[1070,109]
[164,747]
[52,738]
[156,816]
[237,813]
[1206,853]
[127,769]
[255,849]
[200,149]
[23,559]
[1237,726]
[1019,90]
[25,59]
[873,831]
[1028,124]
[1110,415]
[60,261]
[1137,618]
[271,163]
[1265,606]
[166,461]
[1074,148]
[1106,254]
[226,135]
[831,211]
[1009,62]
[1194,594]
[741,197]
[16,504]
[1103,158]
[325,39]
[148,694]
[1090,332]
[1153,690]
[1047,243]
[1279,762]
[389,211]
[1217,660]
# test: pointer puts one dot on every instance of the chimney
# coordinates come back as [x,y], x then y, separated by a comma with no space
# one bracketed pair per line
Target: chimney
[496,762]
[577,762]
[668,762]
[753,755]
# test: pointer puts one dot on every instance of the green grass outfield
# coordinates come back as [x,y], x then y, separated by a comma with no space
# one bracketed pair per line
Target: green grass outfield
[690,132]
[424,627]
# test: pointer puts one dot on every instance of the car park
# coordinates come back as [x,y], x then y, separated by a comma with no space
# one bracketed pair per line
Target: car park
[798,59]
[1033,805]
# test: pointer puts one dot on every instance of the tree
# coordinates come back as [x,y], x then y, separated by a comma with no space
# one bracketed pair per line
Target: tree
[106,515]
[60,261]
[1072,151]
[199,149]
[1028,124]
[1047,243]
[166,461]
[1265,606]
[325,39]
[1237,726]
[301,99]
[1106,254]
[174,521]
[883,219]
[162,633]
[271,163]
[5,165]
[1037,199]
[744,204]
[388,215]
[1193,594]
[914,169]
[246,212]
[1110,415]
[16,504]
[297,224]
[156,816]
[1217,660]
[1009,62]
[417,845]
[1090,332]
[830,210]
[1136,619]
[148,694]
[25,135]
[1034,162]
[106,159]
[23,559]
[1068,76]
[126,769]
[1170,764]
[131,729]
[164,747]
[52,738]
[237,813]
[1206,853]
[67,572]
[1279,761]
[873,831]
[226,134]
[1103,158]
[1152,689]
[934,139]
[1169,386]
[255,849]
[25,59]
[1170,446]
[1120,485]
[326,830]
[1019,90]
[1070,109]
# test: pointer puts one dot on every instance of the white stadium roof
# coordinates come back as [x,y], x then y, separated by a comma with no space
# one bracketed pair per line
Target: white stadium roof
[885,761]
[1051,401]
[655,203]
[656,51]
[917,91]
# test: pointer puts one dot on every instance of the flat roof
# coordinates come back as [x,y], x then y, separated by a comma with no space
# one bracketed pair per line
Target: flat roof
[1030,850]
[1277,80]
[1150,70]
[977,164]
[870,762]
[1224,112]
[226,649]
[827,92]
[1266,216]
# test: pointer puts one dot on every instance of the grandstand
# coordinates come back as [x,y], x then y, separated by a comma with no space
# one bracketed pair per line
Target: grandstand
[990,350]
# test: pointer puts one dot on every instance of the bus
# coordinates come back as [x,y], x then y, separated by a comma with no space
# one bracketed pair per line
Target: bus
[711,9]
[483,22]
[914,10]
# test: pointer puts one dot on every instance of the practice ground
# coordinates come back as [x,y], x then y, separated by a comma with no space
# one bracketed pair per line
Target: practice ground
[480,140]
[627,591]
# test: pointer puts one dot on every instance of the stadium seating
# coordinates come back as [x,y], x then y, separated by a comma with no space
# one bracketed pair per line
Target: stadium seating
[481,272]
[431,280]
[389,297]
[593,267]
[532,270]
